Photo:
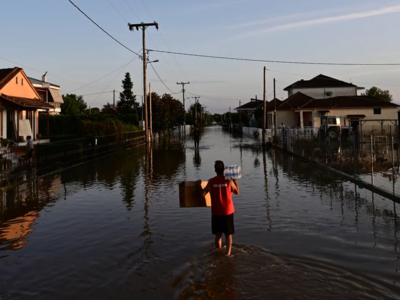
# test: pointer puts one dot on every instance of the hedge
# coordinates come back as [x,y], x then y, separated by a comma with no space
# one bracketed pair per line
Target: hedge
[79,125]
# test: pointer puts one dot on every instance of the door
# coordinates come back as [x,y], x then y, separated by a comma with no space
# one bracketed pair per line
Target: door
[10,124]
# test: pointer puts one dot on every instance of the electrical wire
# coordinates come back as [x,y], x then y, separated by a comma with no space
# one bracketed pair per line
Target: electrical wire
[184,75]
[276,61]
[101,77]
[112,81]
[103,29]
[95,93]
[162,80]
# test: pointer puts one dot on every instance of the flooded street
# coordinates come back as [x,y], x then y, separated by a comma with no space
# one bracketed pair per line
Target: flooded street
[113,229]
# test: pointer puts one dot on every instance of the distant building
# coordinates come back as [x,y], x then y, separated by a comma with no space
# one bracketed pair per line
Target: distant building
[49,93]
[323,87]
[249,107]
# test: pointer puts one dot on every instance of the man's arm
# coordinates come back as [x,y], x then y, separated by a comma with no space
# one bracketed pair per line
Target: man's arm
[202,191]
[234,186]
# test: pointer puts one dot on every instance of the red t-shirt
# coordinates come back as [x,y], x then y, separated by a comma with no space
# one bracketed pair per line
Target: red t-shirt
[221,197]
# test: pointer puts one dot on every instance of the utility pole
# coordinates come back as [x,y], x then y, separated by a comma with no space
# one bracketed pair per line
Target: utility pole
[151,115]
[275,108]
[265,105]
[142,110]
[143,26]
[196,100]
[183,92]
[240,115]
[114,98]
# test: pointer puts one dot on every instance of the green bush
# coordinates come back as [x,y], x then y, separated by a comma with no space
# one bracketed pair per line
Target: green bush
[81,125]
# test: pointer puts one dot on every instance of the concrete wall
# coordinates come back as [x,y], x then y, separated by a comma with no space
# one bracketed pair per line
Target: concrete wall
[319,93]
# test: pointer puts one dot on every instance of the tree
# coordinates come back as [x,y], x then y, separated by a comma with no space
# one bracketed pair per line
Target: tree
[127,100]
[73,105]
[167,112]
[378,93]
[107,106]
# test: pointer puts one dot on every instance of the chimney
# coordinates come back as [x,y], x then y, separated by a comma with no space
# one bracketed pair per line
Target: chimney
[44,77]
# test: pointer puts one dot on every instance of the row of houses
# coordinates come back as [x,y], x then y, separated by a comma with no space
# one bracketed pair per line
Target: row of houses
[22,99]
[309,100]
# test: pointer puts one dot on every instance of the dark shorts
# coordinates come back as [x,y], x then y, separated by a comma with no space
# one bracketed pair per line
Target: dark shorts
[224,224]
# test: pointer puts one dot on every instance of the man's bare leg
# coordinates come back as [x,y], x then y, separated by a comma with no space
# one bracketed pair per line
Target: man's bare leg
[218,240]
[228,240]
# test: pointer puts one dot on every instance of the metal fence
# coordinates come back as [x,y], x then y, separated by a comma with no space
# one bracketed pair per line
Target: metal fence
[69,150]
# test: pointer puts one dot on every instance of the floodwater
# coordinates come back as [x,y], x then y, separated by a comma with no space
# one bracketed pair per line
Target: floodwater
[113,229]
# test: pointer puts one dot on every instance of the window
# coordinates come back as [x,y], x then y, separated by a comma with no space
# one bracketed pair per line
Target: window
[22,81]
[377,111]
[332,121]
[328,94]
[16,80]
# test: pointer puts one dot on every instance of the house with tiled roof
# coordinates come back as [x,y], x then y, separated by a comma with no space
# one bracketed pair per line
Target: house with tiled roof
[249,107]
[19,105]
[49,93]
[300,110]
[323,87]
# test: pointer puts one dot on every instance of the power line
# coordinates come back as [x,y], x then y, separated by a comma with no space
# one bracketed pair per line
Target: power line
[95,93]
[102,77]
[162,80]
[103,29]
[277,61]
[113,80]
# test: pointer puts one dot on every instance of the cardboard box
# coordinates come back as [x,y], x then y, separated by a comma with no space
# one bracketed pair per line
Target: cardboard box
[189,195]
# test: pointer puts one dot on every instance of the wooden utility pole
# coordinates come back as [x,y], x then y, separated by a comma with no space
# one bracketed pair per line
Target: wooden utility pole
[265,105]
[240,115]
[275,125]
[143,26]
[114,98]
[183,92]
[196,100]
[151,115]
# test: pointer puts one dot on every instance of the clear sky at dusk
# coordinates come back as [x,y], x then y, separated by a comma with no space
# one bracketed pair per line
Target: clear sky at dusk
[53,36]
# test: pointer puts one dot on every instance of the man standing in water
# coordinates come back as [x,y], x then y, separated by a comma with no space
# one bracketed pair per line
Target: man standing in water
[222,208]
[196,137]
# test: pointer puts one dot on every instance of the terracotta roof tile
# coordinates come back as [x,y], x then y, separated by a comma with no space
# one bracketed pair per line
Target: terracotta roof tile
[26,102]
[295,102]
[251,104]
[271,104]
[347,102]
[319,81]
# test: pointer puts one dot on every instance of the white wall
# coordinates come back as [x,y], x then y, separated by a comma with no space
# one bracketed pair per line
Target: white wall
[4,120]
[319,93]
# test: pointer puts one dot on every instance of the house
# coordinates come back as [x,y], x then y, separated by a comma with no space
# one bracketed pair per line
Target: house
[301,110]
[49,93]
[249,107]
[323,87]
[19,105]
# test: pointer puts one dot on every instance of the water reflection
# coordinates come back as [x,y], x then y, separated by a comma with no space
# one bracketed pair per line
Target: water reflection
[120,218]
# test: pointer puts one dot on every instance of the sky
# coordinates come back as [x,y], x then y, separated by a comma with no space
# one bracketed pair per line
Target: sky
[53,36]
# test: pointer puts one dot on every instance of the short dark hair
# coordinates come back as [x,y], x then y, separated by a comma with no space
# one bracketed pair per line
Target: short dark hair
[219,167]
[28,137]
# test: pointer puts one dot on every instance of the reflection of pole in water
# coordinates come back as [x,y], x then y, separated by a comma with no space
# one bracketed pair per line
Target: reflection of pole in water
[372,160]
[395,226]
[373,215]
[356,198]
[342,202]
[267,190]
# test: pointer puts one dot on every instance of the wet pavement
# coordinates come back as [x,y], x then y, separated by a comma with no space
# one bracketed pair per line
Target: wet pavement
[113,229]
